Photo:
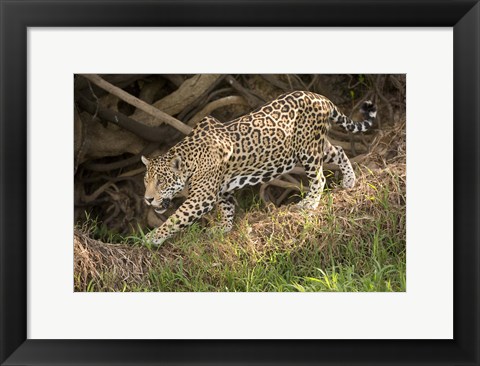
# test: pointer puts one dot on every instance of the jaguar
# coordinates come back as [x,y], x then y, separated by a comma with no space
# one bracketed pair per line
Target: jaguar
[217,158]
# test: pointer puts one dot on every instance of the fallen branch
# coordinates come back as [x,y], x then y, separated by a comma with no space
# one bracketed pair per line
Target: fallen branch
[140,104]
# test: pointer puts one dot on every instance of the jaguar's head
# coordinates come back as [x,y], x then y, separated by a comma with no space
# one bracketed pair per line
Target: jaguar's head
[163,179]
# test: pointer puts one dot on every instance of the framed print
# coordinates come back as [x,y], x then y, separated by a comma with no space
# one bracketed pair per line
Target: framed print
[376,269]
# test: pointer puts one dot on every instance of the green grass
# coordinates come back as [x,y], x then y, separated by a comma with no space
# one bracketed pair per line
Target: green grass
[354,242]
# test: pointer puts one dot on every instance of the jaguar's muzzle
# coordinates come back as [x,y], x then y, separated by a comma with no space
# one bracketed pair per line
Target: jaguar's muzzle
[163,206]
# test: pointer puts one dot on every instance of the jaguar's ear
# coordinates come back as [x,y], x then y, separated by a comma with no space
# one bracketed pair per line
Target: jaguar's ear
[177,164]
[145,160]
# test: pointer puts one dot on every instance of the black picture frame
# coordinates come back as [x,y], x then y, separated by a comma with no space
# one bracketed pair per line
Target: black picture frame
[18,15]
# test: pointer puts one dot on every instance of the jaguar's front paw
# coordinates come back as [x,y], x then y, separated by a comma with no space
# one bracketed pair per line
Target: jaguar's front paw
[308,204]
[220,228]
[153,239]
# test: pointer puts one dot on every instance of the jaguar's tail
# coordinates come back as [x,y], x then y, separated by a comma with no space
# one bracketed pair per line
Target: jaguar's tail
[369,112]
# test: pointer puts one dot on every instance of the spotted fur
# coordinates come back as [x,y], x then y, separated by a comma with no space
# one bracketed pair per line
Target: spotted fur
[217,158]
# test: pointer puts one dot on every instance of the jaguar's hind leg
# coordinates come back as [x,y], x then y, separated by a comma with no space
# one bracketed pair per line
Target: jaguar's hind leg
[313,164]
[336,155]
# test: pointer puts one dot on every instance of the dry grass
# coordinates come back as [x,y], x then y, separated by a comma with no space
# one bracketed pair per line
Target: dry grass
[288,221]
[93,259]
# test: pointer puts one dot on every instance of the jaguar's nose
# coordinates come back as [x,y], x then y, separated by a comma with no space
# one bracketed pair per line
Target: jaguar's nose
[148,200]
